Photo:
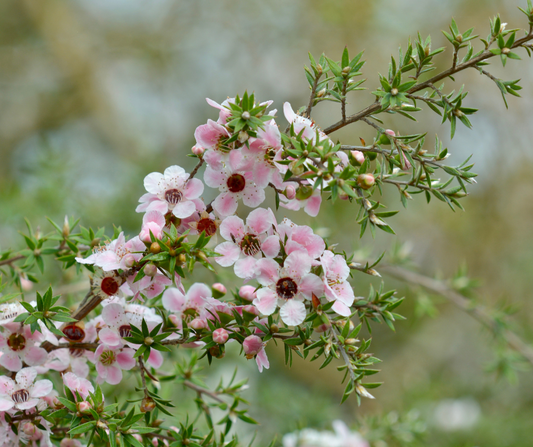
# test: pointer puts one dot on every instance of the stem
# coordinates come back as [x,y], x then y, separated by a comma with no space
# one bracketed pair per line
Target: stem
[311,98]
[195,170]
[11,260]
[212,394]
[423,85]
[477,312]
[344,355]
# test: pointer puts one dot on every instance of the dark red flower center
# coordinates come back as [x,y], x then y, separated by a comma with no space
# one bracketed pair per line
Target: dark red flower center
[250,245]
[173,196]
[76,352]
[109,285]
[74,333]
[236,183]
[16,342]
[125,330]
[20,396]
[286,288]
[207,225]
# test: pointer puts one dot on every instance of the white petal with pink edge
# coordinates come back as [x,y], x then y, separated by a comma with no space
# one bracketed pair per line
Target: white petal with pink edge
[230,253]
[266,301]
[293,312]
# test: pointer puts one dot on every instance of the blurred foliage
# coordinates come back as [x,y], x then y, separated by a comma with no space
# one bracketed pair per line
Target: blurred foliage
[96,94]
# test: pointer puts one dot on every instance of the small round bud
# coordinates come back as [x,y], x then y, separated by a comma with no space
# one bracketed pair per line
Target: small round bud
[147,405]
[340,182]
[198,324]
[172,252]
[95,242]
[321,93]
[201,255]
[245,115]
[198,150]
[251,309]
[506,50]
[150,270]
[394,91]
[320,173]
[427,50]
[148,341]
[305,153]
[274,328]
[459,38]
[327,176]
[458,113]
[84,407]
[358,156]
[252,345]
[220,336]
[174,319]
[319,68]
[66,227]
[247,293]
[243,136]
[346,70]
[33,433]
[390,132]
[155,248]
[290,192]
[219,290]
[129,260]
[182,258]
[304,192]
[365,181]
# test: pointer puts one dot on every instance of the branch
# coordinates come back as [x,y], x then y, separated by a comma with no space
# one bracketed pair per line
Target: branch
[375,107]
[212,394]
[477,312]
[311,98]
[11,260]
[195,170]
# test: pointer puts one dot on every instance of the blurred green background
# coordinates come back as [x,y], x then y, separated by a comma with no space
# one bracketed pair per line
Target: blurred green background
[96,94]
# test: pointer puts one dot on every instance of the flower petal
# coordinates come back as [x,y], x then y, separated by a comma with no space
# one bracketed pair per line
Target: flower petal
[266,301]
[293,312]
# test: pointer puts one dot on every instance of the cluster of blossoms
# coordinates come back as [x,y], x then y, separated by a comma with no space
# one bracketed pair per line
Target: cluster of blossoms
[286,270]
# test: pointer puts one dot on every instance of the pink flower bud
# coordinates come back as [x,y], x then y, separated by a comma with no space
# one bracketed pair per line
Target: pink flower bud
[359,156]
[247,293]
[157,442]
[290,192]
[138,437]
[150,269]
[252,345]
[220,336]
[390,132]
[322,328]
[32,431]
[198,324]
[66,442]
[156,230]
[26,284]
[84,406]
[198,151]
[251,309]
[219,290]
[175,320]
[365,181]
[129,260]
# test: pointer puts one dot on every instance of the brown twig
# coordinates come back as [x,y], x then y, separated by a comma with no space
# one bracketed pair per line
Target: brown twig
[11,260]
[195,170]
[212,394]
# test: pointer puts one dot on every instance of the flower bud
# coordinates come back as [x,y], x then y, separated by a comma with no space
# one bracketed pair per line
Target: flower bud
[147,405]
[155,248]
[252,345]
[358,156]
[459,38]
[350,341]
[346,70]
[319,68]
[247,293]
[394,92]
[84,407]
[182,258]
[243,136]
[290,192]
[220,336]
[174,319]
[216,352]
[245,115]
[390,132]
[219,290]
[251,309]
[66,227]
[150,269]
[67,442]
[274,328]
[365,181]
[32,431]
[129,260]
[322,327]
[504,51]
[321,93]
[198,324]
[304,192]
[198,150]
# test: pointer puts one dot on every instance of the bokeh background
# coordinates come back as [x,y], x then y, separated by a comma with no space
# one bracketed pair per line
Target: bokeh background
[96,94]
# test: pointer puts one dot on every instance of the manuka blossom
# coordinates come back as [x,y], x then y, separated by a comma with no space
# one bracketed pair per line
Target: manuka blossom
[78,384]
[20,346]
[253,346]
[287,287]
[153,222]
[301,123]
[148,286]
[234,180]
[117,254]
[71,359]
[336,286]
[246,243]
[196,299]
[310,202]
[22,393]
[300,238]
[110,363]
[172,192]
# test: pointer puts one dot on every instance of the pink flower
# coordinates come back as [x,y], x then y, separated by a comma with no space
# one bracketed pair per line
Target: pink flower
[195,299]
[247,293]
[154,222]
[300,238]
[72,359]
[287,287]
[220,336]
[75,383]
[20,346]
[210,136]
[22,393]
[235,182]
[148,287]
[311,204]
[245,244]
[336,286]
[254,346]
[172,191]
[110,363]
[300,123]
[116,254]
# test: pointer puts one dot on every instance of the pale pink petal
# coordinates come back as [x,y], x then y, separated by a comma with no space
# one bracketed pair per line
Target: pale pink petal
[245,267]
[266,301]
[288,112]
[153,182]
[312,207]
[311,284]
[297,264]
[232,228]
[260,220]
[267,271]
[214,159]
[173,300]
[41,388]
[215,178]
[253,196]
[194,189]
[156,217]
[110,337]
[114,375]
[28,404]
[156,205]
[25,377]
[7,385]
[293,312]
[225,204]
[270,246]
[343,292]
[262,360]
[114,314]
[230,253]
[262,174]
[184,209]
[173,172]
[341,309]
[197,293]
[6,403]
[11,361]
[155,360]
[125,359]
